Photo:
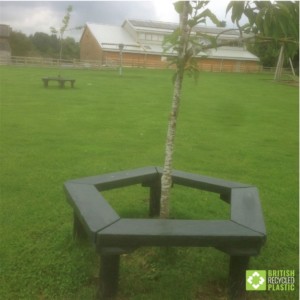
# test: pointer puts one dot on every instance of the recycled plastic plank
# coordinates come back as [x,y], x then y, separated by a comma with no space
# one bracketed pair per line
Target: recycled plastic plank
[241,237]
[90,207]
[120,179]
[178,233]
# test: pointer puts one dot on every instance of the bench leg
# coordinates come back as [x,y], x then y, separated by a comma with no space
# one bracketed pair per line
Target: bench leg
[237,277]
[78,230]
[154,205]
[109,276]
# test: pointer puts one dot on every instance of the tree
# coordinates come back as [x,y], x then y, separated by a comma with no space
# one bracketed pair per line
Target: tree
[49,46]
[62,29]
[45,44]
[266,51]
[276,21]
[187,45]
[271,18]
[71,48]
[20,44]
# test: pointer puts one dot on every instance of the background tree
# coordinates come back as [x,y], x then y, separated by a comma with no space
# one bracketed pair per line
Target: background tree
[47,46]
[71,48]
[266,51]
[62,29]
[20,44]
[274,22]
[42,44]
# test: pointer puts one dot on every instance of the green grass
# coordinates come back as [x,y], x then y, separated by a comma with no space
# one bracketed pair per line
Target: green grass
[240,127]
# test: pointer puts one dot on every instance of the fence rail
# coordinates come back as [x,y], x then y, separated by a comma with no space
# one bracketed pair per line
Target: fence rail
[114,64]
[49,62]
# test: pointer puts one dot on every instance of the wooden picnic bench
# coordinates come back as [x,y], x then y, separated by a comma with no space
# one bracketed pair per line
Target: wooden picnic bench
[60,80]
[240,237]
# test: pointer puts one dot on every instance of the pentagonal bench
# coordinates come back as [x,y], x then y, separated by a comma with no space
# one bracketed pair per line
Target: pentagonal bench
[241,237]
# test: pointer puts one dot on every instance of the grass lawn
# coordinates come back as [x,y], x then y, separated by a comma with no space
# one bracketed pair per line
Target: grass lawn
[239,127]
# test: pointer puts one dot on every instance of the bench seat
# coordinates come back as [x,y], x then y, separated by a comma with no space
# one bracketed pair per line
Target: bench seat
[240,237]
[135,233]
[60,80]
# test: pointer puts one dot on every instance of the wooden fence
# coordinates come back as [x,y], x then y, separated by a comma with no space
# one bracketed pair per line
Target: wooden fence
[114,64]
[49,62]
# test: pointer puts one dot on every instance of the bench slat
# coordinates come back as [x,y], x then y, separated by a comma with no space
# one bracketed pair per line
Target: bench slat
[246,209]
[58,79]
[185,233]
[206,183]
[91,208]
[120,179]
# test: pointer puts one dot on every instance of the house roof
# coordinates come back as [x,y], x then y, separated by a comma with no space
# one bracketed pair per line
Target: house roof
[234,53]
[152,26]
[169,27]
[110,37]
[141,25]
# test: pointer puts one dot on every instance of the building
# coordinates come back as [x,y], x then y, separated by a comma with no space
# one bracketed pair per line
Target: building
[139,44]
[5,50]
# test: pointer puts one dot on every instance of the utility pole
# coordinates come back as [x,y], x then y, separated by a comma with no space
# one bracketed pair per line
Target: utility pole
[121,47]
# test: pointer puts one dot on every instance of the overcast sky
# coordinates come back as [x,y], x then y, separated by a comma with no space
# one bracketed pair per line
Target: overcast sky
[38,16]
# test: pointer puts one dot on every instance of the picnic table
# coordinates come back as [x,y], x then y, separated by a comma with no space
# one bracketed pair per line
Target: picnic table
[59,79]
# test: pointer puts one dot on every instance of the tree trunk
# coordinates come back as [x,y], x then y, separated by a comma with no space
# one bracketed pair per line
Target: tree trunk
[279,66]
[166,180]
[60,54]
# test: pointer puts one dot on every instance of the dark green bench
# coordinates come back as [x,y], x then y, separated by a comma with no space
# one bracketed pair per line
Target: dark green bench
[240,237]
[61,81]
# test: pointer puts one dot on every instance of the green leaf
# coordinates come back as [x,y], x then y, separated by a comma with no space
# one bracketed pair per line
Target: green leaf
[212,40]
[200,4]
[53,30]
[192,69]
[229,7]
[172,39]
[207,13]
[179,6]
[192,22]
[190,7]
[251,15]
[237,10]
[70,8]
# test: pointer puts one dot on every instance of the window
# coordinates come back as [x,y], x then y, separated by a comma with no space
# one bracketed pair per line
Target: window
[154,37]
